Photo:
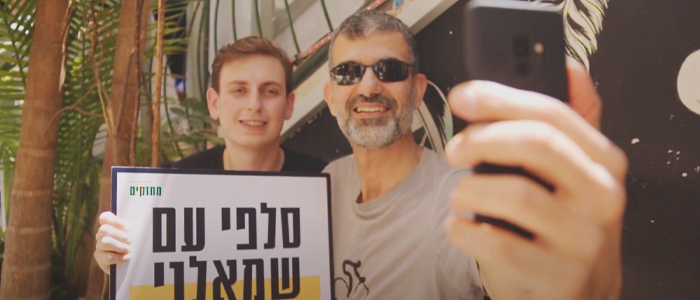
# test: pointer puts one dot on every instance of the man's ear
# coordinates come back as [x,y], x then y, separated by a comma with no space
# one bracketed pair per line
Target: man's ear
[328,97]
[289,106]
[420,84]
[213,103]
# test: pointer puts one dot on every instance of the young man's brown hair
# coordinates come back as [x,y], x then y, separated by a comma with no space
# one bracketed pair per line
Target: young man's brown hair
[250,45]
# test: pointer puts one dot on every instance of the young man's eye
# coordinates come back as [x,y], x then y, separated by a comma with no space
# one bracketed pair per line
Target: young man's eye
[238,91]
[271,92]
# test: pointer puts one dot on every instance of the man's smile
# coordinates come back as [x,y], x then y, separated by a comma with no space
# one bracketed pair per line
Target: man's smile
[371,110]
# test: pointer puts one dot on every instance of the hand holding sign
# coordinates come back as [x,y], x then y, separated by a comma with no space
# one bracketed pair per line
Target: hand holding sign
[112,241]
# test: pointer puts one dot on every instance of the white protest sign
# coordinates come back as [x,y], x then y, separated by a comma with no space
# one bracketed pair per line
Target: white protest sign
[212,235]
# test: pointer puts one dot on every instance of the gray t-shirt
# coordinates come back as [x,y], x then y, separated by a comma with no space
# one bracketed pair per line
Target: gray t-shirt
[395,247]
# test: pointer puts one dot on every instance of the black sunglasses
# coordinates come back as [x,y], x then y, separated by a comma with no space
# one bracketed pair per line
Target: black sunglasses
[386,70]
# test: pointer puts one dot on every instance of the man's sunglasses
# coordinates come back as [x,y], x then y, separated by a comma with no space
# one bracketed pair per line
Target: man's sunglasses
[386,70]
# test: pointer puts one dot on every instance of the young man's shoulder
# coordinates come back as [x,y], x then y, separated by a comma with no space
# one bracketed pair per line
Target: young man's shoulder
[213,159]
[207,159]
[299,162]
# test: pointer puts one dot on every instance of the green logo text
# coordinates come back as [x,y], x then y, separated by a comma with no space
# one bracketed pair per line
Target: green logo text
[144,191]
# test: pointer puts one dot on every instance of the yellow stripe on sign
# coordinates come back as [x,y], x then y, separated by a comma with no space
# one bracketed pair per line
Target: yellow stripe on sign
[309,289]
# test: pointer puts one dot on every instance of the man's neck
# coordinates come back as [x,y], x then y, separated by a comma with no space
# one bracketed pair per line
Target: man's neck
[383,169]
[270,158]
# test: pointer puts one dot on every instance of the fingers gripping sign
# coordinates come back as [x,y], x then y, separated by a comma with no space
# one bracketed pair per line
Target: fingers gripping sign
[112,241]
[575,251]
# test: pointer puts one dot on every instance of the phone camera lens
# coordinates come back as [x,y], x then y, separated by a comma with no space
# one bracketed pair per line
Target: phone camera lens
[521,47]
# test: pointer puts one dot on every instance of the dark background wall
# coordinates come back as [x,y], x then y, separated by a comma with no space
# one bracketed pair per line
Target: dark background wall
[641,49]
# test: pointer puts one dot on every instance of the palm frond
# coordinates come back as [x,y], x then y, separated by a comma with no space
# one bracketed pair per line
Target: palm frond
[16,23]
[583,21]
[75,190]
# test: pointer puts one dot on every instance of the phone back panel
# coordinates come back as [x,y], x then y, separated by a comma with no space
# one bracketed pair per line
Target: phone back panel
[519,44]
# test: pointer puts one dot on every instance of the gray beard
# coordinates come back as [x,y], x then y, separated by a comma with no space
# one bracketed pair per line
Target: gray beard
[376,133]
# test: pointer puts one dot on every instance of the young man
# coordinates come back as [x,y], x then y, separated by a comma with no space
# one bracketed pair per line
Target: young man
[394,236]
[251,95]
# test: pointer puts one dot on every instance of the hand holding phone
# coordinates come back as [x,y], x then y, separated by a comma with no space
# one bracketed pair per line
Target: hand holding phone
[577,229]
[521,45]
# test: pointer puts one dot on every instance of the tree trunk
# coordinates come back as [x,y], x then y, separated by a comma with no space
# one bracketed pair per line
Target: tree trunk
[124,103]
[26,267]
[155,132]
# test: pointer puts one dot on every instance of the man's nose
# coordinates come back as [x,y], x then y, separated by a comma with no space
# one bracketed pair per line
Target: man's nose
[254,102]
[369,85]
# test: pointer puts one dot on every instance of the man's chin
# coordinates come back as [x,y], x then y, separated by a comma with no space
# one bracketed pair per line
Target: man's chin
[371,140]
[371,123]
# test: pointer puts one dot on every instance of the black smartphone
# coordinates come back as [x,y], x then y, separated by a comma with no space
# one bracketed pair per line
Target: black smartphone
[520,44]
[517,43]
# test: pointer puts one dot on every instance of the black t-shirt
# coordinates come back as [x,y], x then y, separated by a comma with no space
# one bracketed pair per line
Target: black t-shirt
[213,159]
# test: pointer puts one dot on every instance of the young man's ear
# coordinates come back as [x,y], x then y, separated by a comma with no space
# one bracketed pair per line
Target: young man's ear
[328,97]
[289,106]
[213,103]
[420,84]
